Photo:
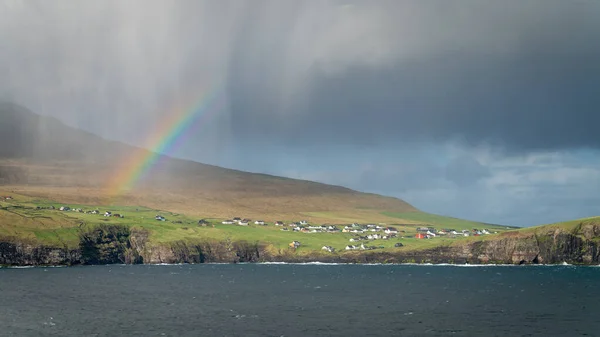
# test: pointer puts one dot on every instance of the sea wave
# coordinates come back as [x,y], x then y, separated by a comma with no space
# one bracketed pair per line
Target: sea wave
[316,263]
[465,265]
[30,267]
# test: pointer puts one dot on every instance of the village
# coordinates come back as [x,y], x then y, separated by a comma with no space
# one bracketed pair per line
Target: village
[364,236]
[370,232]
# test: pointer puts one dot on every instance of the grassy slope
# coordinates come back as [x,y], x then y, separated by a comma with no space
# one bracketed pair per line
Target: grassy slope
[19,218]
[47,159]
[568,226]
[443,221]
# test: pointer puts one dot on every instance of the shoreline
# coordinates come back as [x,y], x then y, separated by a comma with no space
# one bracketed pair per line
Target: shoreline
[109,246]
[454,265]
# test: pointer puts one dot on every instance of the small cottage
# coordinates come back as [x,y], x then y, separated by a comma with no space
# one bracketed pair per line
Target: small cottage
[391,230]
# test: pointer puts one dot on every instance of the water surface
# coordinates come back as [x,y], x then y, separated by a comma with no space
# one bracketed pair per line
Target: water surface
[300,300]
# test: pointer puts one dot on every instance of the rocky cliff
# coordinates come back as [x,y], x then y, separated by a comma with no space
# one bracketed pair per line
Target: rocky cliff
[110,244]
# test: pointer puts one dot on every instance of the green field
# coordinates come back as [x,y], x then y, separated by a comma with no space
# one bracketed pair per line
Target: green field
[20,218]
[443,221]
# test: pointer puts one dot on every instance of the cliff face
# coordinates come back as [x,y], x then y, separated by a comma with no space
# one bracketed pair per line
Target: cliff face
[118,245]
[23,254]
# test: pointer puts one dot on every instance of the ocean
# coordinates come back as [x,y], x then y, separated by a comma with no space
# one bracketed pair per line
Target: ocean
[300,300]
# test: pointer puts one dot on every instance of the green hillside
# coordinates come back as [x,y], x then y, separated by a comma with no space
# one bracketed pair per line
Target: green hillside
[32,219]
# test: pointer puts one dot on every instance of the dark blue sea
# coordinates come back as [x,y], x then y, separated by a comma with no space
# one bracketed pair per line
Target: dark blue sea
[300,300]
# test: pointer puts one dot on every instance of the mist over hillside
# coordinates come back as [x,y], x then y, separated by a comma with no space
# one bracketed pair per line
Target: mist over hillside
[26,135]
[44,157]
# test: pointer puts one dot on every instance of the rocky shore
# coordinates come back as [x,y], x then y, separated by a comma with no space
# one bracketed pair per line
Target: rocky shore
[118,244]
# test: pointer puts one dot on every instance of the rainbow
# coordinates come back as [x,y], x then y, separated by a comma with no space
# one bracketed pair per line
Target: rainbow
[169,133]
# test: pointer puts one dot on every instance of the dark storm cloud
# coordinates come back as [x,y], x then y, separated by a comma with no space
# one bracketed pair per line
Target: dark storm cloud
[534,86]
[523,75]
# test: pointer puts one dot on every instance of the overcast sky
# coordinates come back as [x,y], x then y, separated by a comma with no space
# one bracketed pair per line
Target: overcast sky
[475,109]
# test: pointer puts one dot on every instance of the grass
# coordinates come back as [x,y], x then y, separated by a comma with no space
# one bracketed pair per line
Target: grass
[20,218]
[568,226]
[442,221]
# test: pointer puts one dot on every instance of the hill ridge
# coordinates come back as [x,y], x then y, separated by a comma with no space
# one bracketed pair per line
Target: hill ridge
[47,158]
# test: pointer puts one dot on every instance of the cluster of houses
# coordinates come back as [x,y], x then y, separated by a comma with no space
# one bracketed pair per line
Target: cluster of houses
[361,229]
[243,222]
[361,247]
[304,227]
[311,228]
[79,210]
[430,232]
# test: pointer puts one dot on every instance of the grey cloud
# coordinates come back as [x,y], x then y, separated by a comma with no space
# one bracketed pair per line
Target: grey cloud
[465,171]
[520,75]
[524,77]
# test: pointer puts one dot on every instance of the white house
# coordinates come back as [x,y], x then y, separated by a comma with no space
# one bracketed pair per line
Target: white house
[485,231]
[259,222]
[303,222]
[350,247]
[107,213]
[278,223]
[328,248]
[430,233]
[391,230]
[228,222]
[243,222]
